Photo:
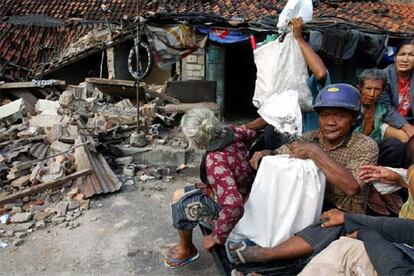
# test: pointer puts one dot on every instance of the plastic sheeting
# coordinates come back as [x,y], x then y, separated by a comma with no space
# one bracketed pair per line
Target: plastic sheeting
[171,43]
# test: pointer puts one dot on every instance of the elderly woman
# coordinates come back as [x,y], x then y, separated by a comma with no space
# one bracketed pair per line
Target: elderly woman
[399,94]
[226,180]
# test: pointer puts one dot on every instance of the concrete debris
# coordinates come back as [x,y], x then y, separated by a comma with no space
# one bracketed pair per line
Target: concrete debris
[3,244]
[61,208]
[66,98]
[11,113]
[125,103]
[17,227]
[129,170]
[46,107]
[58,219]
[21,217]
[138,140]
[21,182]
[28,133]
[16,210]
[73,225]
[20,235]
[59,146]
[18,242]
[74,204]
[40,224]
[40,216]
[145,178]
[45,121]
[85,204]
[124,160]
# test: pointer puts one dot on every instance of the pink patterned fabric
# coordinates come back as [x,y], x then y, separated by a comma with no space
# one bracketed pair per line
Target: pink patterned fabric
[230,177]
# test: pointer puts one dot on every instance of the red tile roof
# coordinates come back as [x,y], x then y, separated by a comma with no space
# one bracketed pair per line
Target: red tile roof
[26,46]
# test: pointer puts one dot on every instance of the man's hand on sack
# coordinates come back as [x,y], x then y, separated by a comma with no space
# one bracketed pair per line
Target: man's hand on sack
[297,27]
[333,217]
[257,156]
[303,150]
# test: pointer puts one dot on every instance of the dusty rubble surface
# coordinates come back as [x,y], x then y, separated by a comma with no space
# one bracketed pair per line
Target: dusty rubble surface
[77,195]
[125,233]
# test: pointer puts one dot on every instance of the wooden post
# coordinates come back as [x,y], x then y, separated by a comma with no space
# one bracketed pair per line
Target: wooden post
[110,62]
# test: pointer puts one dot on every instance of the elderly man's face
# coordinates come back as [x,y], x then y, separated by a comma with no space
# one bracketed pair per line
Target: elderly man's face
[370,91]
[335,123]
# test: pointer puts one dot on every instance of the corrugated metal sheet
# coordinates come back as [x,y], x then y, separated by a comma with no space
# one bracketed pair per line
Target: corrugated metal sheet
[102,180]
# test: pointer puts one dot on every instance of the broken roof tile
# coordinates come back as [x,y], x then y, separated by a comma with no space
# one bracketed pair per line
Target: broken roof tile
[394,17]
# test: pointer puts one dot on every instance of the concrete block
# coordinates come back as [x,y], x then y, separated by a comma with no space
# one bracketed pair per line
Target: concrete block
[21,217]
[47,107]
[191,59]
[11,112]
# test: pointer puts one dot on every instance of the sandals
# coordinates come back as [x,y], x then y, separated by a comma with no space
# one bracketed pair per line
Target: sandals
[175,263]
[242,245]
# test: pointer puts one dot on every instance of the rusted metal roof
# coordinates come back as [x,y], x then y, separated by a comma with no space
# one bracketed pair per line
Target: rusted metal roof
[102,180]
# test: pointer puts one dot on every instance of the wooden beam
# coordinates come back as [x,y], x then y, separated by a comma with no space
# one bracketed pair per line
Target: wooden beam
[184,107]
[110,62]
[162,96]
[44,186]
[113,82]
[27,84]
[127,83]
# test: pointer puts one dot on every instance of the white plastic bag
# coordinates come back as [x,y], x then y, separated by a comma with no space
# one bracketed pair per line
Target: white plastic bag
[295,8]
[281,67]
[283,112]
[286,196]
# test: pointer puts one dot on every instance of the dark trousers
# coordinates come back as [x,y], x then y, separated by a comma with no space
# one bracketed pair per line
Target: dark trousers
[378,235]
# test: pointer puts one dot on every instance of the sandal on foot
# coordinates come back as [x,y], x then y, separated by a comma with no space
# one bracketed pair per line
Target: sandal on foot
[175,263]
[241,246]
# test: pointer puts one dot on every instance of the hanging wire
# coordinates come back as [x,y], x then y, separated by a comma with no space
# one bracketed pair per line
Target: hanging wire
[136,45]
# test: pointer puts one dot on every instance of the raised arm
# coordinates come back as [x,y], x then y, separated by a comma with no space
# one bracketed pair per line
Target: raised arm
[313,61]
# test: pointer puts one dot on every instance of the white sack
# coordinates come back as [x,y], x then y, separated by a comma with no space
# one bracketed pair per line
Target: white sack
[295,8]
[287,196]
[283,112]
[280,67]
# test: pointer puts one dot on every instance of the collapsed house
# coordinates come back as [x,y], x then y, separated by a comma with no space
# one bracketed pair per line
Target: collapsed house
[77,40]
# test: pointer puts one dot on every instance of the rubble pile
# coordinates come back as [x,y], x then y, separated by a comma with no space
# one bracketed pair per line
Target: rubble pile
[52,160]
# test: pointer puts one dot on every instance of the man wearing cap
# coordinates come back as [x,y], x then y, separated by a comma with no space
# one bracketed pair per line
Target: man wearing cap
[335,148]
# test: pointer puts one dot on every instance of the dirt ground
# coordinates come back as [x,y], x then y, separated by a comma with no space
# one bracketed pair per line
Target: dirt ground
[125,233]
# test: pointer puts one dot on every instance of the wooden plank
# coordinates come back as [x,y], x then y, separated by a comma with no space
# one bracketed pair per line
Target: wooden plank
[110,82]
[162,96]
[27,84]
[44,186]
[184,107]
[131,84]
[110,62]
